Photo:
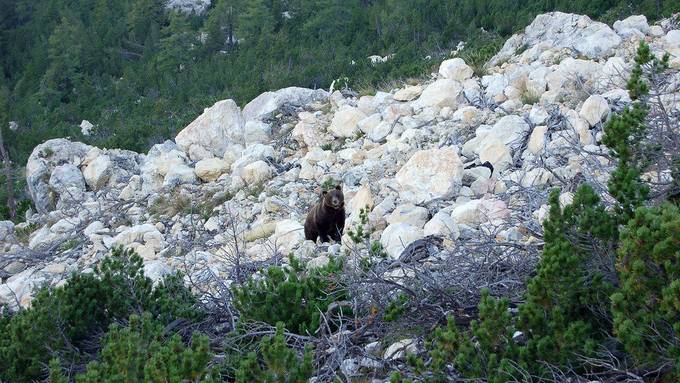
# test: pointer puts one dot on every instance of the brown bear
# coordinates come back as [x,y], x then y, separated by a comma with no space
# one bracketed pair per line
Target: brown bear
[327,217]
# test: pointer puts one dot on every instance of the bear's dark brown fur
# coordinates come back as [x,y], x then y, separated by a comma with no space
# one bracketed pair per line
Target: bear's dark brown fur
[327,217]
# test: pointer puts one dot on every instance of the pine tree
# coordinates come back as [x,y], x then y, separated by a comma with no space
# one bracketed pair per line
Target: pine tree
[291,295]
[60,81]
[646,307]
[221,25]
[175,47]
[66,319]
[563,301]
[56,374]
[7,172]
[145,17]
[625,136]
[484,357]
[106,31]
[280,364]
[141,353]
[256,22]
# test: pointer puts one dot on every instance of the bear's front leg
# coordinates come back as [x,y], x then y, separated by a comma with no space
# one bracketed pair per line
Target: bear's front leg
[336,234]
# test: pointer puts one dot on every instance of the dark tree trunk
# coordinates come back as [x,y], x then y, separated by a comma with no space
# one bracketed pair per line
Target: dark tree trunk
[9,184]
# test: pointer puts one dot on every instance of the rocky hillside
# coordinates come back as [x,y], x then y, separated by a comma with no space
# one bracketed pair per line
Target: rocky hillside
[235,185]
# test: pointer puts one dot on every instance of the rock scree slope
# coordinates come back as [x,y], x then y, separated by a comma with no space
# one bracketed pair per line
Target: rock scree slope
[252,173]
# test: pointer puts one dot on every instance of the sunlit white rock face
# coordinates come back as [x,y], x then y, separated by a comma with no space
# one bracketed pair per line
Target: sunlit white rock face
[265,104]
[211,133]
[189,6]
[557,30]
[430,174]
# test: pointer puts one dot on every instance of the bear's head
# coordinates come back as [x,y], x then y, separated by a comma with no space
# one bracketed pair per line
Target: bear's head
[334,198]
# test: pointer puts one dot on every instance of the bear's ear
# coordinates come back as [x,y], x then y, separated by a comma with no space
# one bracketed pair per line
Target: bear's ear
[338,187]
[324,192]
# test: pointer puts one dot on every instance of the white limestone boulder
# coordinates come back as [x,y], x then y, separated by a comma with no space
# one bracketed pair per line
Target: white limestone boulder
[179,175]
[43,160]
[431,174]
[636,22]
[257,132]
[308,132]
[396,237]
[455,69]
[480,211]
[408,213]
[537,139]
[6,231]
[409,93]
[98,171]
[86,128]
[257,173]
[211,133]
[443,225]
[267,103]
[441,93]
[65,177]
[400,349]
[595,109]
[362,199]
[210,169]
[345,122]
[156,166]
[510,130]
[672,38]
[288,234]
[134,234]
[496,152]
[558,30]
